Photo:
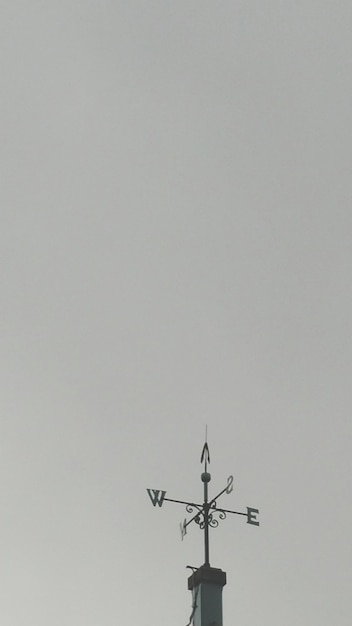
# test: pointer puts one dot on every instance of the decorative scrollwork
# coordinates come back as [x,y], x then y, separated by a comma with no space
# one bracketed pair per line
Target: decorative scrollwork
[191,508]
[208,514]
[213,518]
[199,519]
[214,521]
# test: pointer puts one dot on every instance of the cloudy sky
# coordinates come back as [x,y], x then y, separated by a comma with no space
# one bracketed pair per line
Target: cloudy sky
[176,234]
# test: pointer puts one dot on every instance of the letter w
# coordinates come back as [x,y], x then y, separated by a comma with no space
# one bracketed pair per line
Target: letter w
[156,496]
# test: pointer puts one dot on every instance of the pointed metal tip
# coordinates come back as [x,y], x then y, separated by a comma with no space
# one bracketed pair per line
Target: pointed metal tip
[205,454]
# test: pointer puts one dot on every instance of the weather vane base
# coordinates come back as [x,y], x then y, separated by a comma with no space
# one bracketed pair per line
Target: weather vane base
[205,574]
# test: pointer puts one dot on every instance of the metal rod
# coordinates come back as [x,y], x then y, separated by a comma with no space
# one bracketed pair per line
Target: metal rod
[199,506]
[219,494]
[206,525]
[214,508]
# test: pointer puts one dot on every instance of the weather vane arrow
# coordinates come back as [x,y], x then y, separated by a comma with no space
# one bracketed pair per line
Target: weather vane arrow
[207,514]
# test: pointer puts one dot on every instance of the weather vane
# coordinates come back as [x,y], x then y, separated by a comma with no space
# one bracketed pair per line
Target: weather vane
[209,513]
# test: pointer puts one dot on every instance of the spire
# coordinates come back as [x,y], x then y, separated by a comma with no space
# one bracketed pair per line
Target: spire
[206,582]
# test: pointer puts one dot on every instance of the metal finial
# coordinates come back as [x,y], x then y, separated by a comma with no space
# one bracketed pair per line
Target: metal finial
[205,455]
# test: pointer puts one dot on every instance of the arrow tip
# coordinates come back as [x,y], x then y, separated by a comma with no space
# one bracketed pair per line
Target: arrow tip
[205,454]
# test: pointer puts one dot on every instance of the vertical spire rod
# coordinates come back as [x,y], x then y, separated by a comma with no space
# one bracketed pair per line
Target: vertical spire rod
[206,521]
[206,479]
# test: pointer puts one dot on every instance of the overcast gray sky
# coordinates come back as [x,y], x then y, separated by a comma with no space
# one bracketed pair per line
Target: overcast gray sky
[176,251]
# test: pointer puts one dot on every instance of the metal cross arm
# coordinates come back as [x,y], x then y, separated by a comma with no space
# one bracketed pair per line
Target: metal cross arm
[208,514]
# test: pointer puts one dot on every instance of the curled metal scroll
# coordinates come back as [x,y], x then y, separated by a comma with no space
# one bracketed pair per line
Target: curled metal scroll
[190,508]
[199,519]
[213,518]
[213,521]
